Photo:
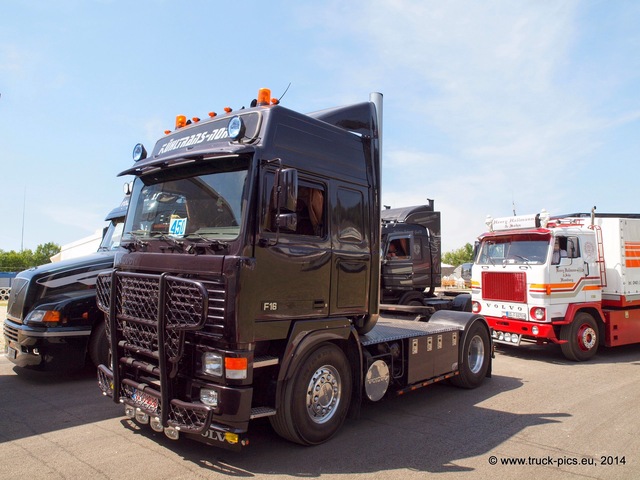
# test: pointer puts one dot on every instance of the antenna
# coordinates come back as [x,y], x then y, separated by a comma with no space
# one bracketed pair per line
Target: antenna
[24,203]
[513,204]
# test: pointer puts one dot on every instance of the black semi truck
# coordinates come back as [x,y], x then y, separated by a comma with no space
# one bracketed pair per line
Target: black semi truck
[249,282]
[52,321]
[412,253]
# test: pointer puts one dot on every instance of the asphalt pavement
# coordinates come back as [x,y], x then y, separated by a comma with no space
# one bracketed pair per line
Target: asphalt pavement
[539,416]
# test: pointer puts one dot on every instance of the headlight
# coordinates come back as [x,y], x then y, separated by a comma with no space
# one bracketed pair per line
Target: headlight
[212,364]
[43,318]
[538,313]
[476,307]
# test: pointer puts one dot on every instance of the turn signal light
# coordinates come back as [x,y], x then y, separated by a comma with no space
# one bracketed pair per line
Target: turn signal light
[235,368]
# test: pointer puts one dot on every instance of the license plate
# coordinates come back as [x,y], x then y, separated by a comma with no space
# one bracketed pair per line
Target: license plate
[145,400]
[12,353]
[516,315]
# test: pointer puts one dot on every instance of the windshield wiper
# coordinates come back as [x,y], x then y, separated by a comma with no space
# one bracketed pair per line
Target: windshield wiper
[174,244]
[215,245]
[136,243]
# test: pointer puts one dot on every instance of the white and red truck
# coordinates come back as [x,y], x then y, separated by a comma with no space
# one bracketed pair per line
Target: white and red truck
[572,280]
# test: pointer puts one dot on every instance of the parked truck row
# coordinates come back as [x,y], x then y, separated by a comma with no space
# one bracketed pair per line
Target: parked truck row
[258,276]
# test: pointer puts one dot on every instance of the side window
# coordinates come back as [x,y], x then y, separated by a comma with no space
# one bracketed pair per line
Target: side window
[573,247]
[310,209]
[565,247]
[399,249]
[350,216]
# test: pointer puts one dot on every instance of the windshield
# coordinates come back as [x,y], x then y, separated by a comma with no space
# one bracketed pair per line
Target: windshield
[112,235]
[513,250]
[189,203]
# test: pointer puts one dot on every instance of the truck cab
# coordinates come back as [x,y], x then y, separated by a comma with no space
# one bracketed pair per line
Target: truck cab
[411,254]
[52,321]
[250,277]
[562,280]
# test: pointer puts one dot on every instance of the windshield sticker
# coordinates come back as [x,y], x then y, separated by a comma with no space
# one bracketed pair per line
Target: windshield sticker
[178,226]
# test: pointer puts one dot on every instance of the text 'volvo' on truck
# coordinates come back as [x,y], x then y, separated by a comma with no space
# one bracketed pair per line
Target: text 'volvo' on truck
[249,284]
[572,280]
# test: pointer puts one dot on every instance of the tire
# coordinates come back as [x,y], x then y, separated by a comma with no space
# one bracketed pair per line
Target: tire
[582,338]
[99,344]
[309,419]
[412,299]
[476,356]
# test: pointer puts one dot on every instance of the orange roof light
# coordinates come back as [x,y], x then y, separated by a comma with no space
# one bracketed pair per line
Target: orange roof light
[195,119]
[212,114]
[264,96]
[228,109]
[181,121]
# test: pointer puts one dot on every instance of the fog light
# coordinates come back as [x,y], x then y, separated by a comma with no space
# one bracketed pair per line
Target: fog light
[142,417]
[500,336]
[172,433]
[515,338]
[156,424]
[535,330]
[209,396]
[507,337]
[129,411]
[232,438]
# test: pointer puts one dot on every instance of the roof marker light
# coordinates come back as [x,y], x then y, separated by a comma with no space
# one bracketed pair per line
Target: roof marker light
[264,96]
[195,119]
[212,114]
[181,121]
[228,109]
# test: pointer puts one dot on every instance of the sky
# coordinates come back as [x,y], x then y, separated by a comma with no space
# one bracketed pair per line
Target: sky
[490,107]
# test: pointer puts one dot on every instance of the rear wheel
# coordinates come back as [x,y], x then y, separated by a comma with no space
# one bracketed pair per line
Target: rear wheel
[581,337]
[476,356]
[412,299]
[316,399]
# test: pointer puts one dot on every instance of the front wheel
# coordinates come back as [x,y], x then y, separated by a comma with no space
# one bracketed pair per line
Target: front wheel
[476,356]
[581,337]
[316,399]
[99,344]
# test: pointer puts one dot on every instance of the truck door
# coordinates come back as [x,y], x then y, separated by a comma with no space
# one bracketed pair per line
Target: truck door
[569,270]
[397,261]
[293,266]
[351,262]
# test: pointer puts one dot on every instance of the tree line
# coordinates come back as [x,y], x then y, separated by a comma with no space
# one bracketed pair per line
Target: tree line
[459,256]
[13,261]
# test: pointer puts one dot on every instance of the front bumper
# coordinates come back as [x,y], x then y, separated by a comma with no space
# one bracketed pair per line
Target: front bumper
[45,348]
[224,426]
[522,330]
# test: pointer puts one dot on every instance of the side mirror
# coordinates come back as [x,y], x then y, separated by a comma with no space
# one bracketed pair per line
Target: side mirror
[285,199]
[285,190]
